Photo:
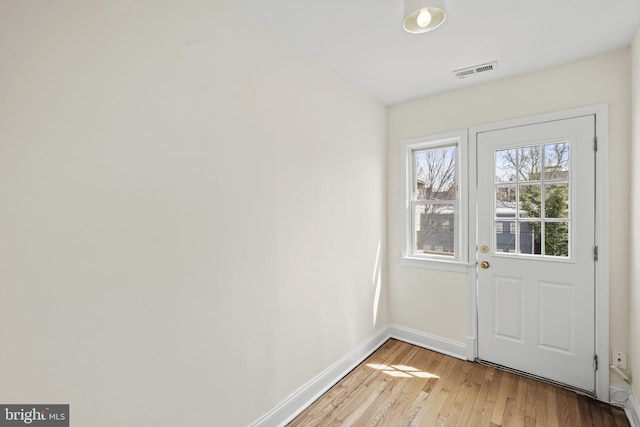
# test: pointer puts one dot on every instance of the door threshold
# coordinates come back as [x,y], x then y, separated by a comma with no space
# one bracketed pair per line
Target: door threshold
[537,378]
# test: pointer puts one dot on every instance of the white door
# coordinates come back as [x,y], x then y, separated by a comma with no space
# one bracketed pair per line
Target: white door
[536,278]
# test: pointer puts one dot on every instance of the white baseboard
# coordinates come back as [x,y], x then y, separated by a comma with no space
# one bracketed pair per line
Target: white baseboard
[286,410]
[623,397]
[633,411]
[441,345]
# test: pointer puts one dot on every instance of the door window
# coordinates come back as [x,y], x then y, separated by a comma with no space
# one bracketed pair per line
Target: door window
[533,200]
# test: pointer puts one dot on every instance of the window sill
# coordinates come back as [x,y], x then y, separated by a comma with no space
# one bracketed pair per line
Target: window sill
[432,264]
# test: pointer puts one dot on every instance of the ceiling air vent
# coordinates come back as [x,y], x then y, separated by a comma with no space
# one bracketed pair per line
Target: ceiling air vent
[476,69]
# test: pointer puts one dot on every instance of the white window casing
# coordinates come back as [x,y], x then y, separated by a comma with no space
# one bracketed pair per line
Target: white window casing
[451,213]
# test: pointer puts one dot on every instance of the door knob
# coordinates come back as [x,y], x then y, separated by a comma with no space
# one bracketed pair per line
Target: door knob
[484,264]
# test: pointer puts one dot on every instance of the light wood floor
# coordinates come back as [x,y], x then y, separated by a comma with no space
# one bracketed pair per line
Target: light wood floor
[404,385]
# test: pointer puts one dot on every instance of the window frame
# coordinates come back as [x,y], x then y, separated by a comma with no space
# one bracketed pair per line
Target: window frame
[460,261]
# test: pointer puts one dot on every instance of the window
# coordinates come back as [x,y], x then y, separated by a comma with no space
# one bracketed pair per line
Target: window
[433,211]
[532,189]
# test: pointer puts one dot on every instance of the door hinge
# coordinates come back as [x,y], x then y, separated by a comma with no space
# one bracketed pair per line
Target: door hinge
[595,362]
[595,253]
[595,143]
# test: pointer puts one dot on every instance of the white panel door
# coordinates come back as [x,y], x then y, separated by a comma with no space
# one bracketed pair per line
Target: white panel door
[536,280]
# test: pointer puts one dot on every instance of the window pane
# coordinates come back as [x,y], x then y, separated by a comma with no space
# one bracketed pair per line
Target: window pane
[505,240]
[435,174]
[530,163]
[530,241]
[506,165]
[433,180]
[556,161]
[435,229]
[556,201]
[530,200]
[536,196]
[556,239]
[506,201]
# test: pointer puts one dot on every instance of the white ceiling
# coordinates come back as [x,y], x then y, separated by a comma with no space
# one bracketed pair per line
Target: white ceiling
[364,42]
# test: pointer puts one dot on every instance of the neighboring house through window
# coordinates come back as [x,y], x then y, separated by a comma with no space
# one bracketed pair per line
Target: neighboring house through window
[433,191]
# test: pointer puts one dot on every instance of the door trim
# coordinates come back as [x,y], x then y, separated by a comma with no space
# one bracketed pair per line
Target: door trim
[601,113]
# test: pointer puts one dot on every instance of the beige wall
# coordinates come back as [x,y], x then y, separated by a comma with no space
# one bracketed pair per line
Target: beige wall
[192,212]
[634,356]
[435,302]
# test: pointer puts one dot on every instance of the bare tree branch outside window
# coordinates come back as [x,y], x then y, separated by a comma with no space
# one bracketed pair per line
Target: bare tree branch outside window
[435,200]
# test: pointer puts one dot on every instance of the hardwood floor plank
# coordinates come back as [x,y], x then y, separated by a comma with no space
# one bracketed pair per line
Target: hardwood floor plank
[429,413]
[358,381]
[512,416]
[402,385]
[357,412]
[453,382]
[607,418]
[469,395]
[357,404]
[530,399]
[408,406]
[620,417]
[480,416]
[406,417]
[585,413]
[501,400]
[568,404]
[542,417]
[553,419]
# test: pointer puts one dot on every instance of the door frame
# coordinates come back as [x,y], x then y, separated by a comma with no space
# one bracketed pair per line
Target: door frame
[601,113]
